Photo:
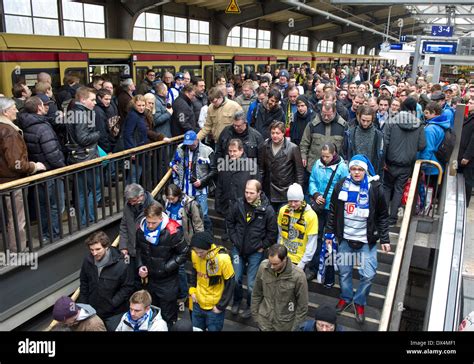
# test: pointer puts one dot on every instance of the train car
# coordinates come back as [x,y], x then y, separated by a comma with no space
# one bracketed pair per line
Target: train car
[22,57]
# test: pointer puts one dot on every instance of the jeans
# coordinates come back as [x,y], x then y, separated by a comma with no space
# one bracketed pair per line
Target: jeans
[56,207]
[240,262]
[134,173]
[202,200]
[86,189]
[206,319]
[368,266]
[183,282]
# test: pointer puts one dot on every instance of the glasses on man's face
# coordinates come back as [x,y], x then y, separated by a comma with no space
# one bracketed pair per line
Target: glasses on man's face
[324,327]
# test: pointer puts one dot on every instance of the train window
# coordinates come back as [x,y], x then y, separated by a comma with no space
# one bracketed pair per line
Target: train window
[209,76]
[140,74]
[261,68]
[223,69]
[29,76]
[194,71]
[249,68]
[160,71]
[111,72]
[237,69]
[79,72]
[278,65]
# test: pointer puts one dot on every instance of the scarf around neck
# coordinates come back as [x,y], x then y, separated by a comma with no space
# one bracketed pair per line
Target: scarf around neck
[360,198]
[137,323]
[152,236]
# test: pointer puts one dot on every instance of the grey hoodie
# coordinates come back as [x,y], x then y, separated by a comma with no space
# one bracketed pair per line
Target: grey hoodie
[403,137]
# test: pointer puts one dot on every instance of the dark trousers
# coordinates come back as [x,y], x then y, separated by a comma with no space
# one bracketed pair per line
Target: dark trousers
[394,181]
[322,218]
[164,294]
[468,173]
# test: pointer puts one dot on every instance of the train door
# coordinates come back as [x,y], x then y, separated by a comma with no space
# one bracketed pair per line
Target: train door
[222,69]
[112,68]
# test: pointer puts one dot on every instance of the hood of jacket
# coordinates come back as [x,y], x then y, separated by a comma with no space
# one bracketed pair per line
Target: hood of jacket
[164,222]
[86,311]
[440,120]
[406,121]
[26,120]
[115,256]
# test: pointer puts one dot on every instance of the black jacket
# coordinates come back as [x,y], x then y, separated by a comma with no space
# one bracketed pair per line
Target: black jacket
[162,260]
[231,185]
[109,292]
[466,148]
[251,139]
[298,125]
[82,133]
[183,118]
[278,172]
[377,223]
[198,103]
[341,109]
[41,141]
[262,119]
[260,231]
[102,115]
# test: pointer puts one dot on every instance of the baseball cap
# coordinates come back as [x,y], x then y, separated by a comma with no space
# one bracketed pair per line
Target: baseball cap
[179,76]
[189,137]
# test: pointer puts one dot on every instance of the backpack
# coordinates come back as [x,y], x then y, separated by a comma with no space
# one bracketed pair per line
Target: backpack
[189,213]
[446,147]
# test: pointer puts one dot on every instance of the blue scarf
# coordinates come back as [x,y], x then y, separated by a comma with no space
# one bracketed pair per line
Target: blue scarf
[360,198]
[327,262]
[152,236]
[137,323]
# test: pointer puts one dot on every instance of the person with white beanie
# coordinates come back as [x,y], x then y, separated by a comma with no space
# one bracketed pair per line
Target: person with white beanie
[298,227]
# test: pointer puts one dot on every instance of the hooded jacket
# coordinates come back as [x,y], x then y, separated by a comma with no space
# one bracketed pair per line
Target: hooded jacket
[279,302]
[403,138]
[434,134]
[105,116]
[153,323]
[108,292]
[87,320]
[299,123]
[41,140]
[264,117]
[163,259]
[128,224]
[320,176]
[259,232]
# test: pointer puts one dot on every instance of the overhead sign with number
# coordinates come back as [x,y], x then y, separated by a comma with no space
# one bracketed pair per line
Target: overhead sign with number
[439,47]
[442,31]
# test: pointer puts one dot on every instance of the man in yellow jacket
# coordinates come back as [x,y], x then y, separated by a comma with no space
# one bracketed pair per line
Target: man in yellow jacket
[220,114]
[212,282]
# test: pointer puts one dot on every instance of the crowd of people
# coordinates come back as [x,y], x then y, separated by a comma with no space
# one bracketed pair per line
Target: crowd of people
[302,164]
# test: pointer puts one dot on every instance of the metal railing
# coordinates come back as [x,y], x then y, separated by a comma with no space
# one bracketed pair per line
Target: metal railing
[115,243]
[391,309]
[68,202]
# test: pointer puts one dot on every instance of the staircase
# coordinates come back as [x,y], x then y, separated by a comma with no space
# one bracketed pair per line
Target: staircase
[318,294]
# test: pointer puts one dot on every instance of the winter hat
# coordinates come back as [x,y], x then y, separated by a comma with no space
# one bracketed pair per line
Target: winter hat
[202,240]
[295,192]
[326,313]
[64,308]
[361,160]
[284,73]
[409,104]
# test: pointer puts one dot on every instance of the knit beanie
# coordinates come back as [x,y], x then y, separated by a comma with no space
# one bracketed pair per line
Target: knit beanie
[295,192]
[202,240]
[64,308]
[362,161]
[326,313]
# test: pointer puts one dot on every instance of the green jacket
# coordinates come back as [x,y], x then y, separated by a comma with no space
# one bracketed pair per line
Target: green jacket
[279,303]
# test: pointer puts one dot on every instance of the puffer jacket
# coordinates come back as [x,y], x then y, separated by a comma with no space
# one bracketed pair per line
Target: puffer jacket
[262,118]
[279,303]
[259,232]
[41,141]
[183,118]
[298,126]
[83,134]
[218,119]
[162,260]
[320,176]
[317,133]
[108,292]
[278,172]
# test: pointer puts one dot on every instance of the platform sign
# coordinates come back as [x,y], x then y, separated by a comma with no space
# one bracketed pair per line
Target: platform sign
[439,47]
[396,46]
[442,31]
[232,8]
